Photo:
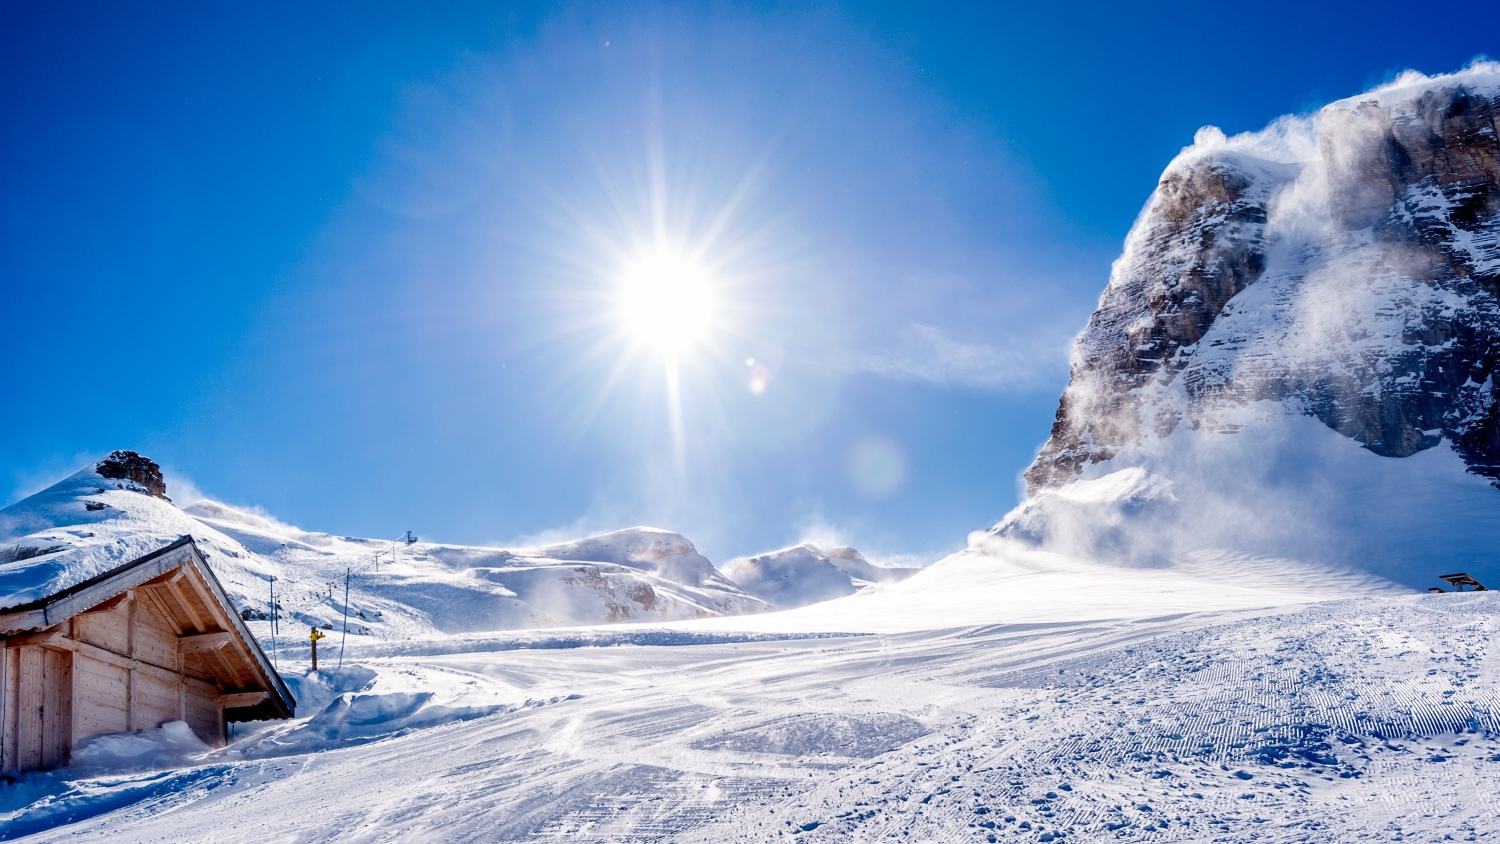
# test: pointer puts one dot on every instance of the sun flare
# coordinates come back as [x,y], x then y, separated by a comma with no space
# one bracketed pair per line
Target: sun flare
[666,303]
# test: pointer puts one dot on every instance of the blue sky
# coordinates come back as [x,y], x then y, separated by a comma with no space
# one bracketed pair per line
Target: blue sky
[359,265]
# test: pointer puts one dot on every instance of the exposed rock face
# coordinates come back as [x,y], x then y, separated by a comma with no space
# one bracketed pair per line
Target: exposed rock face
[141,471]
[1345,266]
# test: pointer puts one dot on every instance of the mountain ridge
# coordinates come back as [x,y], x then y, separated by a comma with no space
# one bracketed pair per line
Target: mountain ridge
[117,509]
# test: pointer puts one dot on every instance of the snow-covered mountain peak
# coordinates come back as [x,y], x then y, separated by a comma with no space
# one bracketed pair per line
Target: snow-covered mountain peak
[807,574]
[1295,354]
[629,546]
[1344,265]
[109,513]
[1480,78]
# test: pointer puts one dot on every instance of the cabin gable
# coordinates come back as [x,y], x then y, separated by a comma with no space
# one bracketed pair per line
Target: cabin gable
[164,646]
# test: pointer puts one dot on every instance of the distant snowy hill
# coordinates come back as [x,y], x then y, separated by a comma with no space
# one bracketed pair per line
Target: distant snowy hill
[1295,356]
[806,574]
[89,523]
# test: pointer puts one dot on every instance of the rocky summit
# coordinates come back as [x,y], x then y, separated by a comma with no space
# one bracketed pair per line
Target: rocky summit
[141,471]
[1343,265]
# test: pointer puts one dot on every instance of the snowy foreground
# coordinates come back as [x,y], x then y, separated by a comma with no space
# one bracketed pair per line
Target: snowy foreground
[1370,717]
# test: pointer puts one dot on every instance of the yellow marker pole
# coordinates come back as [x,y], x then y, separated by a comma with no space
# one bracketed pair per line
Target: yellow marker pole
[313,637]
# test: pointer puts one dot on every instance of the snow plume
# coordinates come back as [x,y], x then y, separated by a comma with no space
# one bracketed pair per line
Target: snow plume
[824,535]
[1282,491]
[181,488]
[33,479]
[817,530]
[255,518]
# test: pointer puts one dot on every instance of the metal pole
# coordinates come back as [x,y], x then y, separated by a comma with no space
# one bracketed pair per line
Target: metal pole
[345,636]
[274,660]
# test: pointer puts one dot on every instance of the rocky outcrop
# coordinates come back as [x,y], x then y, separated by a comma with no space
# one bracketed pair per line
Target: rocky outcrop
[1346,267]
[141,472]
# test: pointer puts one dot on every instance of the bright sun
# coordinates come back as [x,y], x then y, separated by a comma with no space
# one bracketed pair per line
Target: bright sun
[666,302]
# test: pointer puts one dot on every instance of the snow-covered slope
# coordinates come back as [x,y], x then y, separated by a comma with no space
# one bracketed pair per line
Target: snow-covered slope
[100,518]
[807,574]
[638,574]
[1362,719]
[88,523]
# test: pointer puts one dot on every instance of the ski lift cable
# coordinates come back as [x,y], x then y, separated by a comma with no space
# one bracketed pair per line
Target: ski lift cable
[274,657]
[315,598]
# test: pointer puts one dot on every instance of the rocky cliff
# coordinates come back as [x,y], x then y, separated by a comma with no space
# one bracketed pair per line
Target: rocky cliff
[1343,265]
[142,473]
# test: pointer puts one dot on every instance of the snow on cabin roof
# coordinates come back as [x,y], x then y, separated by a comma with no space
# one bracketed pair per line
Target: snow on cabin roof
[80,528]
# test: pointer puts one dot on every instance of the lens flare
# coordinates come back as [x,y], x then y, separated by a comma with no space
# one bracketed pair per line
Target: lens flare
[877,467]
[760,378]
[666,303]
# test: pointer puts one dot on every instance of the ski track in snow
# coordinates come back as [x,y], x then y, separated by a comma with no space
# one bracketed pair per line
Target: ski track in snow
[1371,718]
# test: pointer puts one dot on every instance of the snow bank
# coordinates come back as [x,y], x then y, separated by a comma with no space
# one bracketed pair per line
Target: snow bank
[358,718]
[171,745]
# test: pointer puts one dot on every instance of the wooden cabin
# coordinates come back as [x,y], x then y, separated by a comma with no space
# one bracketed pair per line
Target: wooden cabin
[151,641]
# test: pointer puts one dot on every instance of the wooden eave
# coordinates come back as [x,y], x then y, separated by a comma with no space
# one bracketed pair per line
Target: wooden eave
[194,600]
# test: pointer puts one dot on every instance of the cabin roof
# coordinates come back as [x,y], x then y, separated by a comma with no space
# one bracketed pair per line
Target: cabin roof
[67,602]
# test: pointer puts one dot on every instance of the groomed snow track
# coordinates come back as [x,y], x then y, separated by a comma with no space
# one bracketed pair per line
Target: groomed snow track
[1367,718]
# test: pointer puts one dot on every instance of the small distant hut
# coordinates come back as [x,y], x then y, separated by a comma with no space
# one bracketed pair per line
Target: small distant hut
[150,641]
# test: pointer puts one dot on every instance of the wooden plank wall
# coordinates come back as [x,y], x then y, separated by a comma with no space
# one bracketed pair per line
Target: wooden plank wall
[151,685]
[116,668]
[153,638]
[203,714]
[102,698]
[108,629]
[57,706]
[9,671]
[157,701]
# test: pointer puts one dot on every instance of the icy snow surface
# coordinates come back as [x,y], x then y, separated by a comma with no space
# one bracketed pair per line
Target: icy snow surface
[1365,717]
